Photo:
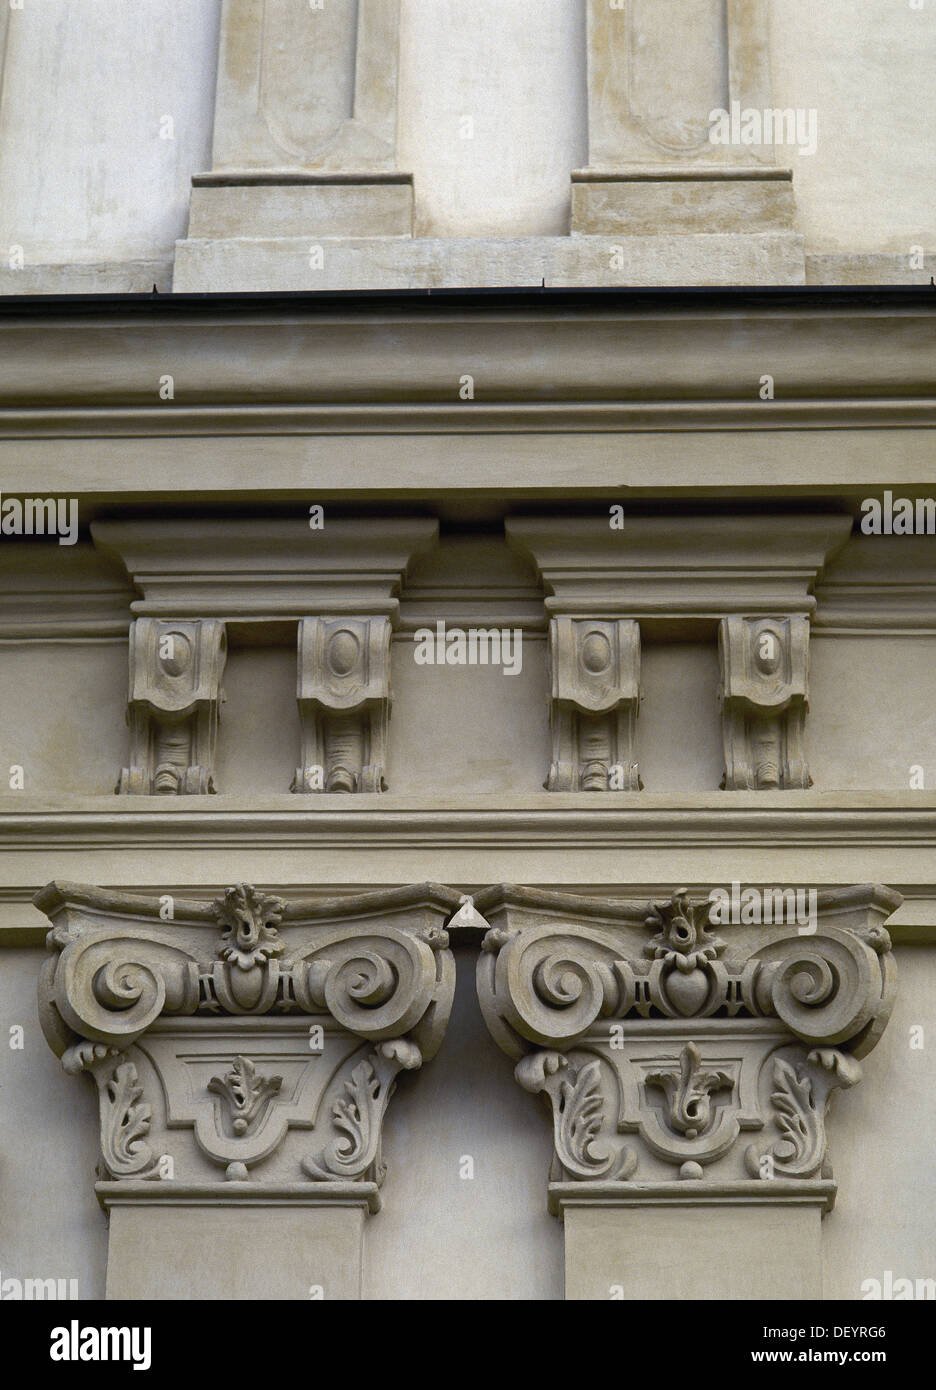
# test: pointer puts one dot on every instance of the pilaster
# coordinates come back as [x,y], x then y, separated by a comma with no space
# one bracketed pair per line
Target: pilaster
[656,72]
[304,131]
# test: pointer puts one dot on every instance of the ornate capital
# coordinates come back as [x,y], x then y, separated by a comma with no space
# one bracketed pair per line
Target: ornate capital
[269,1032]
[671,1050]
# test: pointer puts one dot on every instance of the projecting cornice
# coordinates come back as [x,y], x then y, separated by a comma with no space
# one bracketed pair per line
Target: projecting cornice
[588,361]
[263,568]
[679,567]
[823,838]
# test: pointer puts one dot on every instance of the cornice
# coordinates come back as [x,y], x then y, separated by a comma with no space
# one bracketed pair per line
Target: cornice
[597,364]
[559,820]
[679,567]
[879,585]
[819,839]
[210,568]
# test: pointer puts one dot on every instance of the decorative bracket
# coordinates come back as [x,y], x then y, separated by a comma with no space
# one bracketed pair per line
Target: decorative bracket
[270,1032]
[659,1051]
[595,676]
[344,704]
[764,699]
[174,706]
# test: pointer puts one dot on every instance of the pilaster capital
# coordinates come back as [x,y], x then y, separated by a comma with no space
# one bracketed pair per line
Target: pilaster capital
[686,1042]
[245,1023]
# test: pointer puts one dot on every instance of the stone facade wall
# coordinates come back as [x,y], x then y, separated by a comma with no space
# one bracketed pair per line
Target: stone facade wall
[411,705]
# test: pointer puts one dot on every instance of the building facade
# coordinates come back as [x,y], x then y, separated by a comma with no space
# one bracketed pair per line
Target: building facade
[468,620]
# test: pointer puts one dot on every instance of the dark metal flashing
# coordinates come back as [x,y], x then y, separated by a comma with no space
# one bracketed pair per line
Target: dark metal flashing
[740,299]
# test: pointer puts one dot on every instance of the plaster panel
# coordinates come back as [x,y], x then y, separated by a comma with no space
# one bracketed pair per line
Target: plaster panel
[468,728]
[444,1236]
[518,72]
[678,731]
[866,729]
[881,1148]
[51,1226]
[258,739]
[867,70]
[62,706]
[84,172]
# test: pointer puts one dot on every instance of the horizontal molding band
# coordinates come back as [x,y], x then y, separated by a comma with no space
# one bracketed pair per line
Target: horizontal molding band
[824,840]
[754,819]
[169,1193]
[467,417]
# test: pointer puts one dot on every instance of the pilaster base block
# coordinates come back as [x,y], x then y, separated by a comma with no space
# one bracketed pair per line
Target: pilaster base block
[283,204]
[692,1239]
[235,1240]
[651,201]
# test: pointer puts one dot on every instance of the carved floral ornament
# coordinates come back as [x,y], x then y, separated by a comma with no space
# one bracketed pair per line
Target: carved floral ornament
[272,1031]
[658,1042]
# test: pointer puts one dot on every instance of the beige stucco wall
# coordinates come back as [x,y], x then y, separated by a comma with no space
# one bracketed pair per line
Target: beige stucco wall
[87,179]
[85,176]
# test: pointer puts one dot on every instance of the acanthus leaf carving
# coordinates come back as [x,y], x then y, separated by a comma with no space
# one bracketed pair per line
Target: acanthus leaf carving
[125,1121]
[357,1114]
[800,1098]
[689,1089]
[244,1094]
[583,1147]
